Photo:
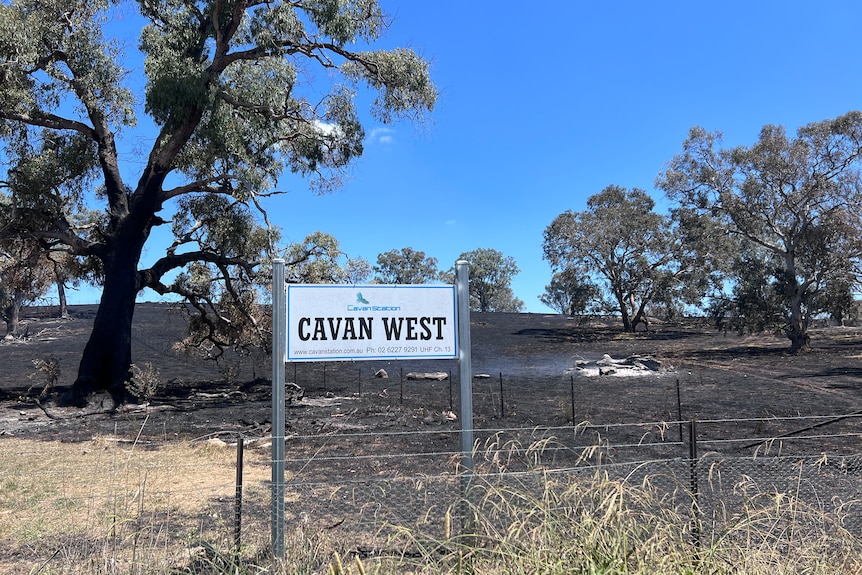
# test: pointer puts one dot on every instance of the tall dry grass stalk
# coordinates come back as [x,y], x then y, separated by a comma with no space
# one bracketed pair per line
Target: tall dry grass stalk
[552,522]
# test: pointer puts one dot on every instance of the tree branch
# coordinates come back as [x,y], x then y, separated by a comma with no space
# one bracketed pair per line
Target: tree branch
[152,276]
[51,121]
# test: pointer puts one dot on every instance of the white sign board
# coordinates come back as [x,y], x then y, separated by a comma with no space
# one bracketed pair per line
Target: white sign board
[362,322]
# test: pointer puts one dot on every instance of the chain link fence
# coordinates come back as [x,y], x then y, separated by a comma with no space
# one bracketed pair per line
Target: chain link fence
[363,487]
[378,493]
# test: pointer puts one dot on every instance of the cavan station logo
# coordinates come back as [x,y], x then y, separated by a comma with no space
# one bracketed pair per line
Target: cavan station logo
[363,304]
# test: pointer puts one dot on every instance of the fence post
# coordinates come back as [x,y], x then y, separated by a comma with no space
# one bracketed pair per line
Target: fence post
[679,409]
[502,404]
[572,381]
[695,495]
[237,517]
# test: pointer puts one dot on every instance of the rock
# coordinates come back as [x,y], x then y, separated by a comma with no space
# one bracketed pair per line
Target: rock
[633,362]
[435,376]
[646,362]
[381,373]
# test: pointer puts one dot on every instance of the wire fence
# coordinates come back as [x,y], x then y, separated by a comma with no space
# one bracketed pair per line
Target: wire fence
[363,489]
[400,470]
[700,471]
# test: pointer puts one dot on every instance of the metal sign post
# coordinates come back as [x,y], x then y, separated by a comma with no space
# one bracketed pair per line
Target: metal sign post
[462,276]
[278,351]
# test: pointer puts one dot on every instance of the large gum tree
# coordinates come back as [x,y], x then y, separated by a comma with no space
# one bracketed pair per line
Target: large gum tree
[795,199]
[239,92]
[621,246]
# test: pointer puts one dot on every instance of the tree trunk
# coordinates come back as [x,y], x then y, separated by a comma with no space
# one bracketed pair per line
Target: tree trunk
[797,329]
[107,356]
[13,314]
[61,291]
[627,320]
[640,316]
[800,341]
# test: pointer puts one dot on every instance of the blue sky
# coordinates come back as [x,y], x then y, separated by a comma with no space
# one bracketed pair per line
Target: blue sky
[543,105]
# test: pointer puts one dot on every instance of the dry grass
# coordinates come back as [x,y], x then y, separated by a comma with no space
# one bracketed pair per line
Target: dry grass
[556,523]
[114,505]
[120,506]
[607,528]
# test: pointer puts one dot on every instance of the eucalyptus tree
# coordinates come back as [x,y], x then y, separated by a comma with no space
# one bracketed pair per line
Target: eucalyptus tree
[796,199]
[405,266]
[490,280]
[570,293]
[70,271]
[239,92]
[319,259]
[754,303]
[25,275]
[620,244]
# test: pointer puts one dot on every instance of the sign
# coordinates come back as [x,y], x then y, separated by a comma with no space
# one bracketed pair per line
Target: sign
[364,322]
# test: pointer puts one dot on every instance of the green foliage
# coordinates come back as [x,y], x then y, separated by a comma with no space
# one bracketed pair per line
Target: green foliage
[405,266]
[240,93]
[490,281]
[43,187]
[318,259]
[219,225]
[56,51]
[838,301]
[570,293]
[145,382]
[409,88]
[25,275]
[619,242]
[796,199]
[755,304]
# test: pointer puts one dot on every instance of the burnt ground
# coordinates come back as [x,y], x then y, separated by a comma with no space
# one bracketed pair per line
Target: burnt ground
[750,380]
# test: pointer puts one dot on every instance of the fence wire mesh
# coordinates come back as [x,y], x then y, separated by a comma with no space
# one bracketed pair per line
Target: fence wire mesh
[381,492]
[358,484]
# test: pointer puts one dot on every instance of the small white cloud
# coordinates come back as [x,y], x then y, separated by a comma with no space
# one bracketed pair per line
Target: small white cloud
[382,135]
[450,222]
